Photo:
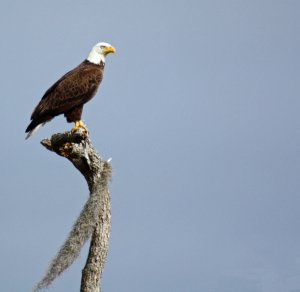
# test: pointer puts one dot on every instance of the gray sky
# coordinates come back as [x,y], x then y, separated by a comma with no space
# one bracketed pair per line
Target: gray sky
[199,110]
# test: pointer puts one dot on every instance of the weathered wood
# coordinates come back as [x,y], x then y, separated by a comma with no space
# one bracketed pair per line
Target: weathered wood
[95,218]
[92,272]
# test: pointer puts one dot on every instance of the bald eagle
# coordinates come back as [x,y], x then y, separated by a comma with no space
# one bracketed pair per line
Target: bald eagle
[68,95]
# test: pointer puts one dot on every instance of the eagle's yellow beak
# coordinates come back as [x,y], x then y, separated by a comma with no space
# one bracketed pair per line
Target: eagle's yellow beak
[108,50]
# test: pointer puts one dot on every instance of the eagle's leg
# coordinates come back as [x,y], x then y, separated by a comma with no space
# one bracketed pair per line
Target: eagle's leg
[80,124]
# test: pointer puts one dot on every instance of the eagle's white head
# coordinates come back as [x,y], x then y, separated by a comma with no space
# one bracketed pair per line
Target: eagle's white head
[99,52]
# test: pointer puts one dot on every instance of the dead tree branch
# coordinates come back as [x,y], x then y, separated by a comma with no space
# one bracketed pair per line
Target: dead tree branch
[94,220]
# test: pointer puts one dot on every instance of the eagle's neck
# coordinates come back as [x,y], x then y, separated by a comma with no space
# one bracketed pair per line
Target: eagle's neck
[96,58]
[87,62]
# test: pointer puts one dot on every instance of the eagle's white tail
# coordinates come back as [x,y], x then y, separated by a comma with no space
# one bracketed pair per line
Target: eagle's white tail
[33,130]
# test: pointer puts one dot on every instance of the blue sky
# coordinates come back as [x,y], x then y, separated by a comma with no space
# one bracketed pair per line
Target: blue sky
[199,110]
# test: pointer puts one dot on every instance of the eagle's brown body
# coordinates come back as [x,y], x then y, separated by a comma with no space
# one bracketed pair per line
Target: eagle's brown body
[68,95]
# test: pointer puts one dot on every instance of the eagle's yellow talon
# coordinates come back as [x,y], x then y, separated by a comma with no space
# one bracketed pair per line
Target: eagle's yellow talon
[80,124]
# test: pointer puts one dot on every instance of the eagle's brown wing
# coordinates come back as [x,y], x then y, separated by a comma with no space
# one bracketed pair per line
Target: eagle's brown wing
[73,89]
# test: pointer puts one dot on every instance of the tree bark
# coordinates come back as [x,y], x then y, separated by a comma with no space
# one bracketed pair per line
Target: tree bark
[95,218]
